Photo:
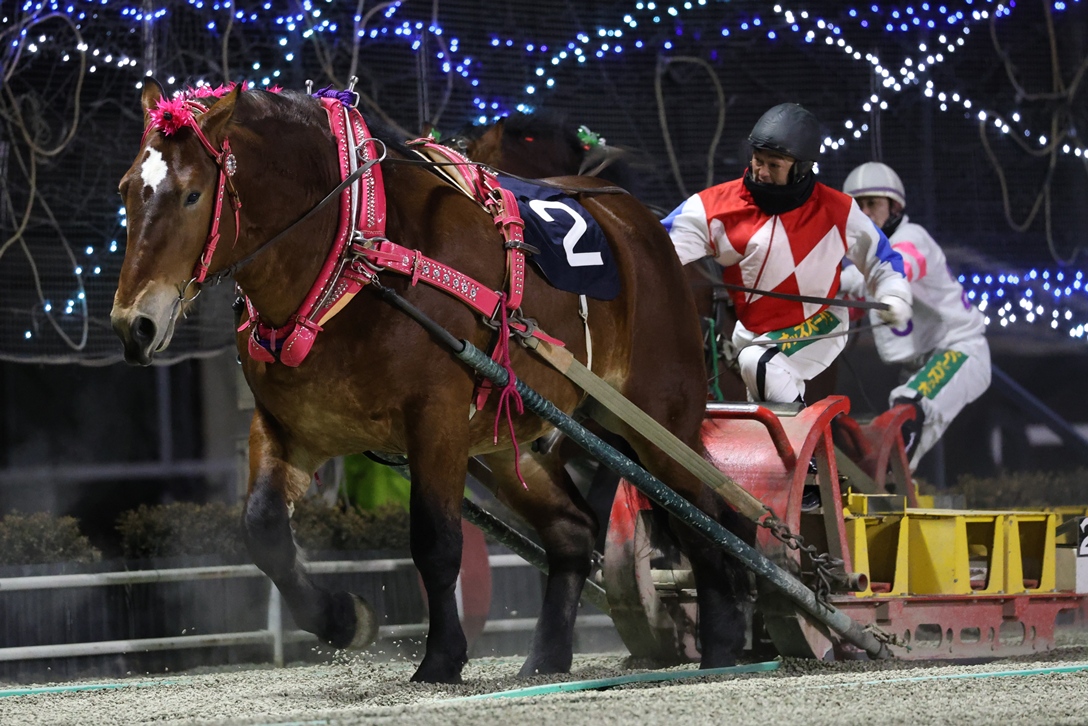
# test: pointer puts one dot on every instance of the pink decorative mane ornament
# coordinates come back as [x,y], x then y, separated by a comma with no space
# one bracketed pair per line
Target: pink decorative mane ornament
[171,115]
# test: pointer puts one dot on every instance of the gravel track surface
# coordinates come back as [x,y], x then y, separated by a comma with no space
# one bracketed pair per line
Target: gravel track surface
[360,690]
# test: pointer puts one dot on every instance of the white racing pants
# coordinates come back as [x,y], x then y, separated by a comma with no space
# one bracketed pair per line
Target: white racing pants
[949,379]
[776,371]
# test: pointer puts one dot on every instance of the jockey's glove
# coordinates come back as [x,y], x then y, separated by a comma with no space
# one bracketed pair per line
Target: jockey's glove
[898,313]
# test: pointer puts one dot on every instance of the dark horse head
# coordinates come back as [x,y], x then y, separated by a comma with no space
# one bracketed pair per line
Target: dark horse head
[374,380]
[544,144]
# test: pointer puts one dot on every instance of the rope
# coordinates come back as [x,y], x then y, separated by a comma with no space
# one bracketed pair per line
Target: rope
[664,121]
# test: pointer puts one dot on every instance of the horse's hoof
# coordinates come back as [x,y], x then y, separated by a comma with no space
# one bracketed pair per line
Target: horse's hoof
[531,668]
[366,624]
[429,673]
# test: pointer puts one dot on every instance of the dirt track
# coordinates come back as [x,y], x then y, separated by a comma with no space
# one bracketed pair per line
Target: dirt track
[359,690]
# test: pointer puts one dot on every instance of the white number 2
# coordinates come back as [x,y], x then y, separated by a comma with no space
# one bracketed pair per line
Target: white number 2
[575,259]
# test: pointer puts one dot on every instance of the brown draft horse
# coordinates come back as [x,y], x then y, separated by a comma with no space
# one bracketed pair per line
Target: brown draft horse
[375,380]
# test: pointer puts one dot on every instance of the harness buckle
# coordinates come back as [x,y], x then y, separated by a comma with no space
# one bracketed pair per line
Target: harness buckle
[522,246]
[367,243]
[531,326]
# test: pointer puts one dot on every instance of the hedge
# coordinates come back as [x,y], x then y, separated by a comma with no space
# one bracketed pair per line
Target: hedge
[188,529]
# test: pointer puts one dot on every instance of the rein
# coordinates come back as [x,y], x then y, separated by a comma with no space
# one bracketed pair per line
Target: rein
[435,165]
[834,301]
[355,175]
[838,302]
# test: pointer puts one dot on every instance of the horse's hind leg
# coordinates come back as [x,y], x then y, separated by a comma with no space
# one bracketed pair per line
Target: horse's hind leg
[438,460]
[567,529]
[340,619]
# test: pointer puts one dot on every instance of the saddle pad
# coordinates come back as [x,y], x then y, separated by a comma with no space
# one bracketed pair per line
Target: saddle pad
[574,254]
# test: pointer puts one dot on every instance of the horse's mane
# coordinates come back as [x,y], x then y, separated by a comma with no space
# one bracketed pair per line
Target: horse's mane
[296,106]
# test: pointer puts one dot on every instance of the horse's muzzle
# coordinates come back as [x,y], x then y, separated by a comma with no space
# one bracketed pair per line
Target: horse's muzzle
[146,325]
[138,336]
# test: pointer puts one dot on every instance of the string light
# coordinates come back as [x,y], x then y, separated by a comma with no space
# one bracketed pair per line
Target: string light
[606,42]
[1050,299]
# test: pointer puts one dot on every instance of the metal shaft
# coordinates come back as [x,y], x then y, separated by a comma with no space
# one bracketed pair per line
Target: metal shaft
[524,547]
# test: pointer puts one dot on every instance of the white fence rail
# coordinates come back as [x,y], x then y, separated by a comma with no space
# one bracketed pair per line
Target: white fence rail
[273,635]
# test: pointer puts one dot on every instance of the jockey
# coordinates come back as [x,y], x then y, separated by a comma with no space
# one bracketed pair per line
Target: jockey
[778,229]
[943,349]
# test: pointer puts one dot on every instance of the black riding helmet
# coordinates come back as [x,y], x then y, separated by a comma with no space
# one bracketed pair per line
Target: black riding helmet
[791,130]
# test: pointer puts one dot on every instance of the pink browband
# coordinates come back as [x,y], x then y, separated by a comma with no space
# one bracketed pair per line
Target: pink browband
[171,115]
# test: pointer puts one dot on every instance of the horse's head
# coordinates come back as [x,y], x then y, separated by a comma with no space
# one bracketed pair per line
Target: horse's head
[170,196]
[487,147]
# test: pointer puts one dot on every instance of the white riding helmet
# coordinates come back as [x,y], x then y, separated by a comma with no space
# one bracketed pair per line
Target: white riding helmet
[873,179]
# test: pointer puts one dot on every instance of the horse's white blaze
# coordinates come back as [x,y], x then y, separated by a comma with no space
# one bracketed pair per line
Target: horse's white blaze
[153,170]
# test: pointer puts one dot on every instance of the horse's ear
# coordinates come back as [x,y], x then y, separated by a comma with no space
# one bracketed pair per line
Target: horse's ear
[219,115]
[149,97]
[489,148]
[428,127]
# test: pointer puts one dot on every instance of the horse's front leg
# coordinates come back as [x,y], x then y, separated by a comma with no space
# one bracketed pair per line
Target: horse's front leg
[438,460]
[276,482]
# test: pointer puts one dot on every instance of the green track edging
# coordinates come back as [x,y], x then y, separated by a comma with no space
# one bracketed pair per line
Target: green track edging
[79,688]
[601,683]
[959,676]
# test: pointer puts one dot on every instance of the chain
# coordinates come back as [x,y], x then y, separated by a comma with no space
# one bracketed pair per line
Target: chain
[826,569]
[823,563]
[885,637]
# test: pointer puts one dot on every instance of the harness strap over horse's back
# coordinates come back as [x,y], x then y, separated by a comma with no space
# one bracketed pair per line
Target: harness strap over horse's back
[481,185]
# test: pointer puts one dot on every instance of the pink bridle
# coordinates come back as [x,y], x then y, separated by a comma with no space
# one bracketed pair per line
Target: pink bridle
[170,116]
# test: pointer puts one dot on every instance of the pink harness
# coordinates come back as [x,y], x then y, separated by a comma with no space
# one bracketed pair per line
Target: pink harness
[362,216]
[361,250]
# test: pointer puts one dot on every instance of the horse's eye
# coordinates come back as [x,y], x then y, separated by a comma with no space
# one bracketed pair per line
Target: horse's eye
[192,199]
